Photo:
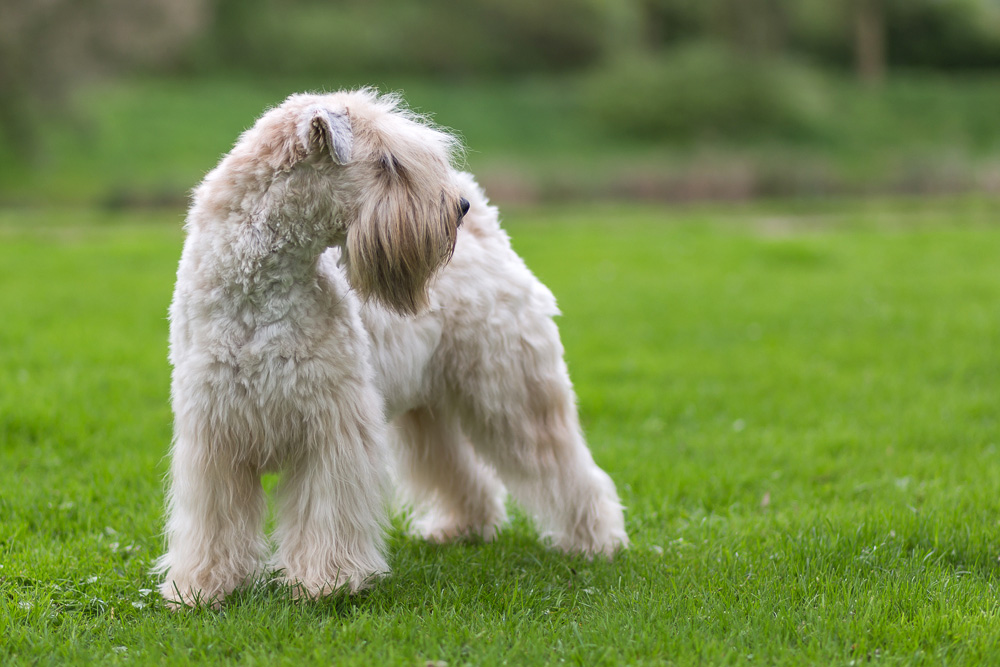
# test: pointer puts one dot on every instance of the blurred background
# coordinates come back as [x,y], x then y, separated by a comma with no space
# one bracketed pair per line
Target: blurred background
[122,103]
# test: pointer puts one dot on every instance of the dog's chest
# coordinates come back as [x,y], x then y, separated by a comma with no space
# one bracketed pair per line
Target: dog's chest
[401,349]
[265,380]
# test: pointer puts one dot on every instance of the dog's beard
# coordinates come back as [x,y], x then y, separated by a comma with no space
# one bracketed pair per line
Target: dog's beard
[395,246]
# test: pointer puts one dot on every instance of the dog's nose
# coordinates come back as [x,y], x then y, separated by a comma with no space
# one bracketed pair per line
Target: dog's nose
[463,204]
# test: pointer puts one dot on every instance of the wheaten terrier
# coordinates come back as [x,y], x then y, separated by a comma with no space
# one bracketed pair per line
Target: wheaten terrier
[339,274]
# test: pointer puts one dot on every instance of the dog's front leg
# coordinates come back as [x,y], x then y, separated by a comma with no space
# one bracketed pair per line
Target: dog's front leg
[214,530]
[332,513]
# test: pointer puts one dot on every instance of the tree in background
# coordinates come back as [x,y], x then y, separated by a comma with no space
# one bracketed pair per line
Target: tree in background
[757,69]
[47,47]
[867,36]
[430,38]
[869,41]
[753,27]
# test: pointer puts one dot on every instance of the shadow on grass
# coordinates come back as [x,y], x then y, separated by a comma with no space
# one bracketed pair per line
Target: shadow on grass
[456,578]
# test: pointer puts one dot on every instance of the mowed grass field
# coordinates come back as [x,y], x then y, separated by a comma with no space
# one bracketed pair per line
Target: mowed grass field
[800,405]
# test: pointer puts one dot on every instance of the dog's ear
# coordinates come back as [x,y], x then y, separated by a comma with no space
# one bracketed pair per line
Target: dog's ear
[396,242]
[329,131]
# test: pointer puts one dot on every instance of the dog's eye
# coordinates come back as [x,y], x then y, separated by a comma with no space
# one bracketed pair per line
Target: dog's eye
[463,205]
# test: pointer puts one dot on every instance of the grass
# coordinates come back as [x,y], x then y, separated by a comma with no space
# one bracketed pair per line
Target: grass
[798,404]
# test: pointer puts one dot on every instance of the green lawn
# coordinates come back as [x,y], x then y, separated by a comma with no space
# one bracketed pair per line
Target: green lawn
[800,405]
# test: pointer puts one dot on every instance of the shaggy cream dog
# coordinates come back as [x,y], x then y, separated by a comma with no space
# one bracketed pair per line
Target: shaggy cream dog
[339,274]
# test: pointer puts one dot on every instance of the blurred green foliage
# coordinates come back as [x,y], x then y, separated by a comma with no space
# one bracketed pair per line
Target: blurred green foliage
[146,142]
[544,88]
[935,34]
[677,70]
[705,90]
[496,37]
[432,37]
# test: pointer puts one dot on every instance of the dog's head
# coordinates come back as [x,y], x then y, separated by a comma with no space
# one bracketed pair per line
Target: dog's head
[363,172]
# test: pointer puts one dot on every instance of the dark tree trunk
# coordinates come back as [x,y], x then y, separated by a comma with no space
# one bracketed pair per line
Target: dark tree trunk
[753,27]
[869,41]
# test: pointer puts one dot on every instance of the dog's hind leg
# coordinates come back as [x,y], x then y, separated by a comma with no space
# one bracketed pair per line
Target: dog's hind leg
[455,494]
[519,409]
[331,509]
[215,527]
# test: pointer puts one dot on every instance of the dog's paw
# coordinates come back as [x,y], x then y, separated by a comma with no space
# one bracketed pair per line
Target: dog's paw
[179,596]
[606,546]
[319,587]
[441,528]
[317,569]
[599,531]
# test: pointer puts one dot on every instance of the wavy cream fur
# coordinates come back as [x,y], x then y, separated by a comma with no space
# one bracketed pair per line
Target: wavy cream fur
[310,308]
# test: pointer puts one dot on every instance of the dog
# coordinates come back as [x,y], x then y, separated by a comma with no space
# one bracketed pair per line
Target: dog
[347,305]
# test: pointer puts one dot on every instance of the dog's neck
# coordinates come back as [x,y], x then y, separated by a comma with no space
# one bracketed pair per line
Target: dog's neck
[264,248]
[268,262]
[261,268]
[257,250]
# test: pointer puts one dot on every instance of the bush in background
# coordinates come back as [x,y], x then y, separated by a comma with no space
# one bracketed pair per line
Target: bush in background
[433,37]
[705,91]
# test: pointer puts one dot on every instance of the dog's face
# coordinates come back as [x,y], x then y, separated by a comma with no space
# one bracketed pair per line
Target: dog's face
[376,179]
